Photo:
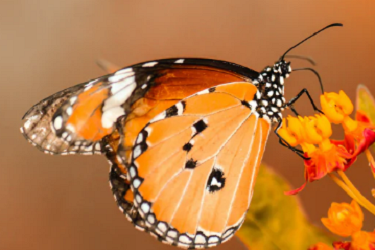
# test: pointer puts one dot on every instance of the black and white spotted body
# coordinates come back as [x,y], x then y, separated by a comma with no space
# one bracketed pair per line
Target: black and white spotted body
[269,101]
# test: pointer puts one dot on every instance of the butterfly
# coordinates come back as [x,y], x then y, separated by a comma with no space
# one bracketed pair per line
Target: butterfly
[184,138]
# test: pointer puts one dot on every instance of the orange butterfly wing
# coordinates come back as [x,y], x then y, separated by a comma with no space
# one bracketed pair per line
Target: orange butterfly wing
[174,82]
[76,120]
[193,166]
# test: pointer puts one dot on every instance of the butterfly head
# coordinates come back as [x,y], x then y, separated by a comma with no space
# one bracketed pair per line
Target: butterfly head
[283,68]
[276,74]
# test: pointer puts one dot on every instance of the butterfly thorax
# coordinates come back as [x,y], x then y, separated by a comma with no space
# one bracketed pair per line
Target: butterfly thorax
[269,100]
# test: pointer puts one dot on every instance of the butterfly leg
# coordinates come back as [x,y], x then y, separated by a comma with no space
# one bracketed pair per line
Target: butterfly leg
[290,105]
[294,99]
[286,144]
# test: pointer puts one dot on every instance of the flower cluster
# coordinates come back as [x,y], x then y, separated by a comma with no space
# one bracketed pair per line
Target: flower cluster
[312,133]
[346,220]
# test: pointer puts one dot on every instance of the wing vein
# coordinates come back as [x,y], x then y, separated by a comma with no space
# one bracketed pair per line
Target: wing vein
[242,168]
[202,202]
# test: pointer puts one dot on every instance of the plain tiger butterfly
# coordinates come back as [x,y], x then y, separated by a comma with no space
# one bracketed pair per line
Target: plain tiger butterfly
[184,137]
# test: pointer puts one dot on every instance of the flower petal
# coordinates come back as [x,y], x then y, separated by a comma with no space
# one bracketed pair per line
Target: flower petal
[367,140]
[341,245]
[362,117]
[295,191]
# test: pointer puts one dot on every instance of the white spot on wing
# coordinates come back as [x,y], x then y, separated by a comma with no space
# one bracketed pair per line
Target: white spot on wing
[158,117]
[136,183]
[179,61]
[145,207]
[132,172]
[200,239]
[27,124]
[213,239]
[89,148]
[110,116]
[69,111]
[58,122]
[138,198]
[151,219]
[116,87]
[180,108]
[149,64]
[116,78]
[121,92]
[72,100]
[137,151]
[172,233]
[64,135]
[184,239]
[206,91]
[124,71]
[90,84]
[162,227]
[140,138]
[214,182]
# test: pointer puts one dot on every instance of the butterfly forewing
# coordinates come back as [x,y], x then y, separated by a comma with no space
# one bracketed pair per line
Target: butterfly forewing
[193,172]
[37,127]
[76,120]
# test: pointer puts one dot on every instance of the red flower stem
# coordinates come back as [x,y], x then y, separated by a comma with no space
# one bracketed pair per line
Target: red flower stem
[371,161]
[364,202]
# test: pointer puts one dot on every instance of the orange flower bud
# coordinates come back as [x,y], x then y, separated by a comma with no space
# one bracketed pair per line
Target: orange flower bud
[336,106]
[344,219]
[363,240]
[320,246]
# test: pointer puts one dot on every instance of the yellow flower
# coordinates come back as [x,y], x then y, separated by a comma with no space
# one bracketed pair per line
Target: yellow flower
[292,132]
[317,131]
[336,106]
[344,219]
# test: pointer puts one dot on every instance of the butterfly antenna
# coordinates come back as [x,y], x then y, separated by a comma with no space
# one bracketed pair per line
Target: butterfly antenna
[107,66]
[306,58]
[316,73]
[314,34]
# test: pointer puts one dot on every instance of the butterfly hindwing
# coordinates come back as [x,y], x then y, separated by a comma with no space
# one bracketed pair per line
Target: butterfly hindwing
[175,81]
[122,192]
[193,166]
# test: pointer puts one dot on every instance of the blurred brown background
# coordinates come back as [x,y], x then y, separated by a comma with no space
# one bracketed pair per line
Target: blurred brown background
[47,45]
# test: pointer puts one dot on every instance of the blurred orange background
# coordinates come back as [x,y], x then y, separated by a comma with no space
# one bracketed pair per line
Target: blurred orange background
[47,45]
